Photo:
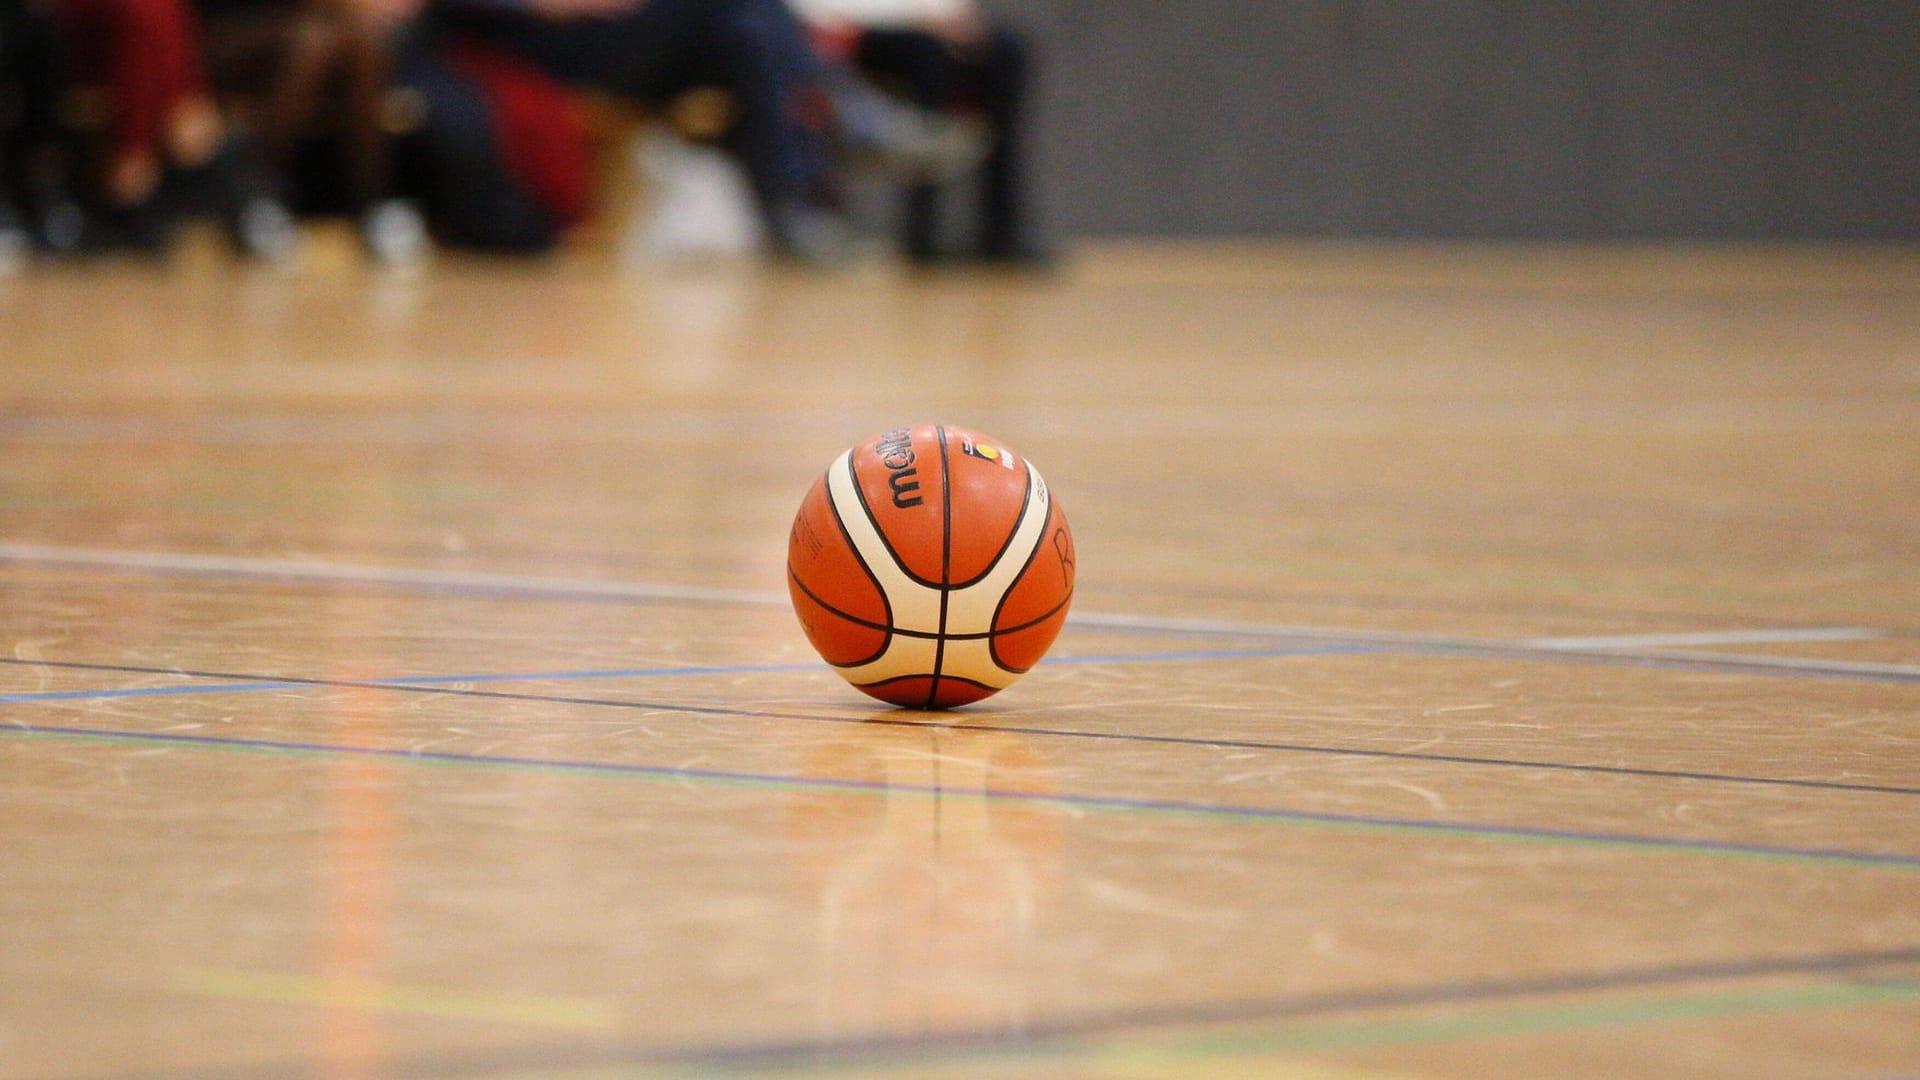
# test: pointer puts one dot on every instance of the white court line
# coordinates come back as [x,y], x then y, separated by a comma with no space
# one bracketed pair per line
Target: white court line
[245,566]
[1632,647]
[1707,637]
[1569,646]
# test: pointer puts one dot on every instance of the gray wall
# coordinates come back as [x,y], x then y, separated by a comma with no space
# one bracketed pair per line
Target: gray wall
[1611,118]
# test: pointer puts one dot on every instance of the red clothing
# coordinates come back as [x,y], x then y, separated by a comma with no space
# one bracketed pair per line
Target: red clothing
[146,54]
[542,138]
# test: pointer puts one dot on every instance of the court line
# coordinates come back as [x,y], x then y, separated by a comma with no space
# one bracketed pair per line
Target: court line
[1783,635]
[489,583]
[774,1055]
[251,567]
[1173,807]
[1525,648]
[1224,1048]
[432,684]
[408,681]
[400,681]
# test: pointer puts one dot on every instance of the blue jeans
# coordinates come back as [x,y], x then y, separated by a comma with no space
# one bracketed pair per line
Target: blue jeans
[755,50]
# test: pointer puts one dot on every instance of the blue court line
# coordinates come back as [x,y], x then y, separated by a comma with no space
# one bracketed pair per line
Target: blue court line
[145,691]
[1094,802]
[633,673]
[507,590]
[253,682]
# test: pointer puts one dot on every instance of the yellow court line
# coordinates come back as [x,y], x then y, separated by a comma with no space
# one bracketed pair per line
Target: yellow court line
[569,1013]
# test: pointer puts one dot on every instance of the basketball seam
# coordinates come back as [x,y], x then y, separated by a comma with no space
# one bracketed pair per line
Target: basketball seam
[943,678]
[886,642]
[886,543]
[840,523]
[1039,541]
[924,635]
[1026,498]
[1030,623]
[946,564]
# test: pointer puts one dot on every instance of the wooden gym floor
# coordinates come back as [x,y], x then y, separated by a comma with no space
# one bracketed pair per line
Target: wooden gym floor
[1490,662]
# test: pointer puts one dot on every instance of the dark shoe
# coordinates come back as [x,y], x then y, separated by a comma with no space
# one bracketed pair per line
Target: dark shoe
[61,227]
[144,230]
[811,236]
[228,186]
[15,242]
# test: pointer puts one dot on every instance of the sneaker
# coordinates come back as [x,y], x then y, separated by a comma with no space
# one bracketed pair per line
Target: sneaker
[394,233]
[261,228]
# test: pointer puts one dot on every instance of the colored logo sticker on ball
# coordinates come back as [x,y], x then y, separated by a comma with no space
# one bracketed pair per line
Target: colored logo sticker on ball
[990,453]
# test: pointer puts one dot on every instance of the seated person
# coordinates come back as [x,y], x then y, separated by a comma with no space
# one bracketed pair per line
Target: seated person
[946,55]
[311,81]
[168,149]
[794,121]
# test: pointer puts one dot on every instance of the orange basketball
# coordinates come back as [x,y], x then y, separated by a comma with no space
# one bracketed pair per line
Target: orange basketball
[930,566]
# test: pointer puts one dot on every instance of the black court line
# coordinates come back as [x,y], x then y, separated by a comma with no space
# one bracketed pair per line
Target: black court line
[509,587]
[893,719]
[1222,811]
[582,1053]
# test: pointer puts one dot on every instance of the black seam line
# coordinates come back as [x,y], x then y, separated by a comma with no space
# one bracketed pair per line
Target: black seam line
[833,508]
[1030,623]
[929,634]
[946,563]
[1026,497]
[1039,541]
[943,678]
[886,642]
[995,729]
[860,493]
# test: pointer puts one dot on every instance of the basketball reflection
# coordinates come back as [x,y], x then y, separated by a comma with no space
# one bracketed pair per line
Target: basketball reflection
[928,898]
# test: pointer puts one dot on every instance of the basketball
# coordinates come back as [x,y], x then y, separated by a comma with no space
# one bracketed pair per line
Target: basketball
[930,566]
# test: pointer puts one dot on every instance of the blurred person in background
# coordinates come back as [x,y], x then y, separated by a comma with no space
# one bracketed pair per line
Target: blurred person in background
[795,121]
[312,81]
[26,89]
[946,55]
[136,69]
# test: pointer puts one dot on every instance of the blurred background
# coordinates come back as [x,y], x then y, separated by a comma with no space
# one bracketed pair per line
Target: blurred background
[1562,119]
[949,130]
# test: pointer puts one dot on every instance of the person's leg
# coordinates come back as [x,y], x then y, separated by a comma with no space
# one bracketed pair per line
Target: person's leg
[458,169]
[14,241]
[36,171]
[761,56]
[12,235]
[755,50]
[366,74]
[146,54]
[925,67]
[999,73]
